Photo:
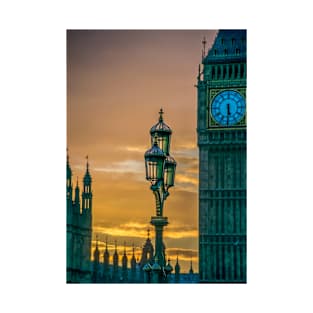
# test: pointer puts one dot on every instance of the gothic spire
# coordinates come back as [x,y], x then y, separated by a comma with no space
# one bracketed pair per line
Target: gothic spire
[68,170]
[177,266]
[67,157]
[96,261]
[106,261]
[124,259]
[115,255]
[69,185]
[77,192]
[106,254]
[124,265]
[191,269]
[87,193]
[115,265]
[177,271]
[96,252]
[133,259]
[87,177]
[203,50]
[106,243]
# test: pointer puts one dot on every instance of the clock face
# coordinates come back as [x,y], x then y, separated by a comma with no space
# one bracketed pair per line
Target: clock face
[228,107]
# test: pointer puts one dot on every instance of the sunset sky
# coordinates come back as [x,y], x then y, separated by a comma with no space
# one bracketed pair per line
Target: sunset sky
[150,71]
[117,83]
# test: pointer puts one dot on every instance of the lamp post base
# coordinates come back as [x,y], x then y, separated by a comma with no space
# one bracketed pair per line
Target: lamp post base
[158,274]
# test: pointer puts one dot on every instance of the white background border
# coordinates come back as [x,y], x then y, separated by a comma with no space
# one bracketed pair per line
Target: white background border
[33,128]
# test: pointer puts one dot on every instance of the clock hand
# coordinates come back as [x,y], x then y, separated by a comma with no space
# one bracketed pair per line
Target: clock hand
[228,113]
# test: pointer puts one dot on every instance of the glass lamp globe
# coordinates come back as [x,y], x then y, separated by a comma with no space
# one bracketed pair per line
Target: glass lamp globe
[154,161]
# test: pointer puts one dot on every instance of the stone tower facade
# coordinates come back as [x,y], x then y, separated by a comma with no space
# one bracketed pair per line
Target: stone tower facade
[78,229]
[221,128]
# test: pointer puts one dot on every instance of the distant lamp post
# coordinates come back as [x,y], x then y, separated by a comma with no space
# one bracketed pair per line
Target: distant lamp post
[160,171]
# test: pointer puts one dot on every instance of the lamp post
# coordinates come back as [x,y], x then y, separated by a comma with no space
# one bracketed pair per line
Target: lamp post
[160,171]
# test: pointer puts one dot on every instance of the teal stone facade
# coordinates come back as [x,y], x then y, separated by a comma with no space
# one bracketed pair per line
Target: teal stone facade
[78,228]
[222,162]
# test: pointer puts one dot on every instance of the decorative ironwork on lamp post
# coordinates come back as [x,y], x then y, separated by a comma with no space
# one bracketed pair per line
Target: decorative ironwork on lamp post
[160,171]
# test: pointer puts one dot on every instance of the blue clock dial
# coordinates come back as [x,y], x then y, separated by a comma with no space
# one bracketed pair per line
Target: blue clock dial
[228,107]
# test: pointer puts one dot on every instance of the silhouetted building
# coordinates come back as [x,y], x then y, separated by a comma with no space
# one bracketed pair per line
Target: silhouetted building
[96,265]
[80,268]
[106,264]
[177,271]
[78,228]
[124,266]
[133,266]
[115,275]
[146,256]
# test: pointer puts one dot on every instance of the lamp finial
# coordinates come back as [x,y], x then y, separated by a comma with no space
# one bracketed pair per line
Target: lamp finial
[161,115]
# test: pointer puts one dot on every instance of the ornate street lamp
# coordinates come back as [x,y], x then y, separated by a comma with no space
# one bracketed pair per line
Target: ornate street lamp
[155,160]
[160,171]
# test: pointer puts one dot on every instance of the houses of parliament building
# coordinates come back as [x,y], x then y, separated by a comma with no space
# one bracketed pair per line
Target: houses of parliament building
[80,268]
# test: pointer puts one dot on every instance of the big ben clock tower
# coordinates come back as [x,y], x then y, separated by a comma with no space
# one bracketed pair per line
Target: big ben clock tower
[221,131]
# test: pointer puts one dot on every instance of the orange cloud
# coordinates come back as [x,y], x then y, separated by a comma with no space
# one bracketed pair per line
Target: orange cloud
[139,230]
[180,178]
